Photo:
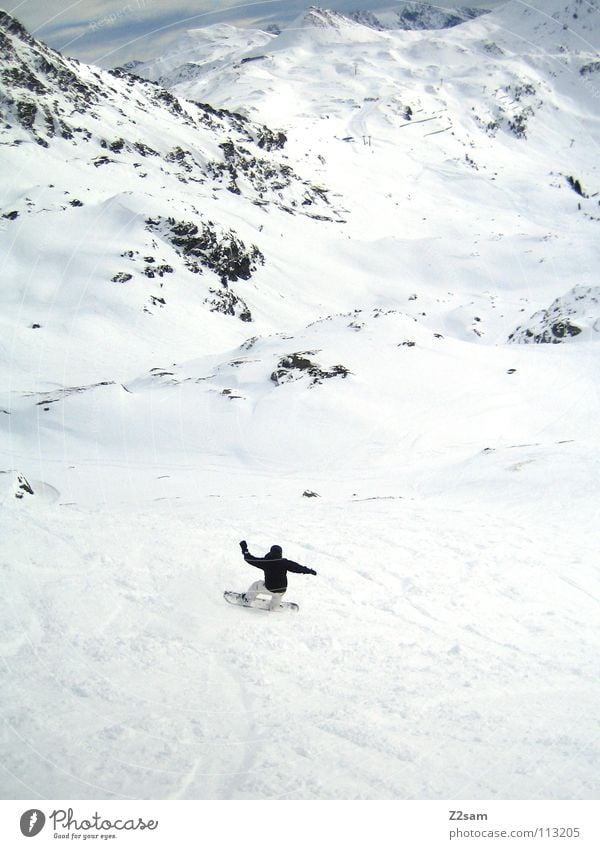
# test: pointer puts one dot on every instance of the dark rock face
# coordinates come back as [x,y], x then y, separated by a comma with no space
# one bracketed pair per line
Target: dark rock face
[37,82]
[419,16]
[576,186]
[269,140]
[20,76]
[557,332]
[203,246]
[26,112]
[217,119]
[23,487]
[11,25]
[227,303]
[589,68]
[566,318]
[298,365]
[564,329]
[268,178]
[152,271]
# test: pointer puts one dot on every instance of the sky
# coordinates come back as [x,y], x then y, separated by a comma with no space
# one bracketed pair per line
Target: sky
[110,32]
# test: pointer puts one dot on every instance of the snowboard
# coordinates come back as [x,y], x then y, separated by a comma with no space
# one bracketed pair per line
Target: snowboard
[259,602]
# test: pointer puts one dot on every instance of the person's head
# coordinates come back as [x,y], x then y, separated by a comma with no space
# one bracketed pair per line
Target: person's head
[276,552]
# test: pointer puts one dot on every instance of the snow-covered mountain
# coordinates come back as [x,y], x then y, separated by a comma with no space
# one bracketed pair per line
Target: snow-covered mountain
[221,45]
[213,47]
[299,265]
[125,180]
[416,110]
[412,16]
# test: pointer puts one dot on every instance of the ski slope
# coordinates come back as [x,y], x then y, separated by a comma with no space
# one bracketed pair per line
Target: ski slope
[442,651]
[374,396]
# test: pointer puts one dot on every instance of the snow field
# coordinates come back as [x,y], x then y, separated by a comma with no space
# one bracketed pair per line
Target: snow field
[439,653]
[448,646]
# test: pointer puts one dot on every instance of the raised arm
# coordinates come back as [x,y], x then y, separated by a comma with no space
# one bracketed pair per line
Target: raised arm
[249,558]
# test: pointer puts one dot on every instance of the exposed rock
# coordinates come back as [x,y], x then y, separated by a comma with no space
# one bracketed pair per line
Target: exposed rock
[576,186]
[418,16]
[152,271]
[566,318]
[266,177]
[270,140]
[589,68]
[228,303]
[182,158]
[23,487]
[23,77]
[144,149]
[26,112]
[298,365]
[206,246]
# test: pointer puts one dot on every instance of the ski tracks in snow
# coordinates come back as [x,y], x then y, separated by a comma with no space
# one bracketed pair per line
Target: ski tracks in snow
[437,653]
[130,699]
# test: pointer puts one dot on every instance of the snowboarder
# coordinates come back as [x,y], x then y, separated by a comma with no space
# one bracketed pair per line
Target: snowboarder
[275,567]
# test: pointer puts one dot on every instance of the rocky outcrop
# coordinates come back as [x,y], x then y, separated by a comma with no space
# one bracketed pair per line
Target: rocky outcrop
[299,365]
[205,245]
[574,315]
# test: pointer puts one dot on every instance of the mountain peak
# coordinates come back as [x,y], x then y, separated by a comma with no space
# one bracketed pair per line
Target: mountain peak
[324,18]
[402,16]
[40,89]
[10,24]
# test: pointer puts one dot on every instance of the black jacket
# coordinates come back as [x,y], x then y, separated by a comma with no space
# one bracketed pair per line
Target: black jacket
[276,570]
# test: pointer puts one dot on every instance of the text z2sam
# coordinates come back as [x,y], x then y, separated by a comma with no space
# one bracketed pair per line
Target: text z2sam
[461,815]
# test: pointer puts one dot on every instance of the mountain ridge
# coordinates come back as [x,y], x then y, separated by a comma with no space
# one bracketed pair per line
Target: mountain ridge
[61,104]
[86,121]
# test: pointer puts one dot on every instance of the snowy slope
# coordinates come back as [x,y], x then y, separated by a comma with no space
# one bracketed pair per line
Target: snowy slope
[411,16]
[290,316]
[108,180]
[214,46]
[396,119]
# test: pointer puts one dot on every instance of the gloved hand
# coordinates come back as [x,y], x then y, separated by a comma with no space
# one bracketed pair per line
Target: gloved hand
[311,572]
[244,546]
